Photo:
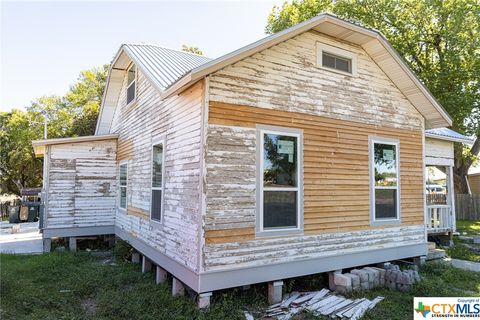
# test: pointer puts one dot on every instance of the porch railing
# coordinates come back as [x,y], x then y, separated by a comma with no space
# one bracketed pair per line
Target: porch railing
[440,218]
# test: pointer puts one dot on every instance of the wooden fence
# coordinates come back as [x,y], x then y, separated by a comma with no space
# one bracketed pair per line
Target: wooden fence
[467,206]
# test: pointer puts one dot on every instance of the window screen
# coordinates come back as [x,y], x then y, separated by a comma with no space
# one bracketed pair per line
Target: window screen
[385,180]
[157,182]
[280,181]
[131,83]
[123,186]
[335,62]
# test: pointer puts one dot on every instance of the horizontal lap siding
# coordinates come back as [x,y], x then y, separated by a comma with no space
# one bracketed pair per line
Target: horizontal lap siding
[179,120]
[336,167]
[82,185]
[283,86]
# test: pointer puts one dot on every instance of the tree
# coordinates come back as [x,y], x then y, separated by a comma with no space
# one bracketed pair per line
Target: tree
[190,49]
[19,168]
[74,114]
[440,41]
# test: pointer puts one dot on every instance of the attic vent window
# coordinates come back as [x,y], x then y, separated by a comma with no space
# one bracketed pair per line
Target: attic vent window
[336,62]
[336,59]
[132,77]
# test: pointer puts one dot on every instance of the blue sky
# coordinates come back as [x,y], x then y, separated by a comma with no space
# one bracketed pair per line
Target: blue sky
[44,45]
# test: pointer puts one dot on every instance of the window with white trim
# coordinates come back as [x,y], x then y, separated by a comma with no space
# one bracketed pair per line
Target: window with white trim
[280,182]
[123,177]
[336,59]
[131,80]
[384,180]
[158,159]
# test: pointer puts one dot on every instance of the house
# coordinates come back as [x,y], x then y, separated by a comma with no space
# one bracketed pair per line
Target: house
[301,153]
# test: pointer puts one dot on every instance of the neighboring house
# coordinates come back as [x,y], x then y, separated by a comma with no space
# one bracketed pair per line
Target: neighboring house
[474,183]
[301,153]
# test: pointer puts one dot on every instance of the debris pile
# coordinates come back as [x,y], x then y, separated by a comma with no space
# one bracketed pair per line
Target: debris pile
[390,276]
[323,302]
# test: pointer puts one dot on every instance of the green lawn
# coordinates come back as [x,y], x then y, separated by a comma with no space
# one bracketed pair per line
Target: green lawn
[472,228]
[460,249]
[65,285]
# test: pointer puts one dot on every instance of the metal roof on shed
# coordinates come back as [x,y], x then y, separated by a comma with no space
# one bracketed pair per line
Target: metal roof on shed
[447,134]
[164,65]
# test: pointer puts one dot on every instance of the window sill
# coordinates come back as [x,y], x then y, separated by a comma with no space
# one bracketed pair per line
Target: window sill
[386,222]
[280,232]
[337,71]
[155,223]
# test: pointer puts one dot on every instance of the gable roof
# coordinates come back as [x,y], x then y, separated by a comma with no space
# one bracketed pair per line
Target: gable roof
[160,65]
[163,66]
[448,135]
[172,73]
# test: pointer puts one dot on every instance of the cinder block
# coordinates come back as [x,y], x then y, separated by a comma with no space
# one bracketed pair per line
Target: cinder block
[204,300]
[390,284]
[419,261]
[355,279]
[356,288]
[275,292]
[331,276]
[47,245]
[160,275]
[136,257]
[371,274]
[146,265]
[365,285]
[380,271]
[72,244]
[343,289]
[342,280]
[361,273]
[178,289]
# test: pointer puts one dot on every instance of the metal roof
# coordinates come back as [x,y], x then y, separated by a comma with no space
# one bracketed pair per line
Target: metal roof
[447,134]
[163,65]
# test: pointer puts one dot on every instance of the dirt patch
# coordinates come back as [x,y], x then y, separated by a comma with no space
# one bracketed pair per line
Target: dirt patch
[89,306]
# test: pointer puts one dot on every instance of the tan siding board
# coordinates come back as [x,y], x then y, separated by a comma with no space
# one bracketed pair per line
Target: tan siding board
[330,183]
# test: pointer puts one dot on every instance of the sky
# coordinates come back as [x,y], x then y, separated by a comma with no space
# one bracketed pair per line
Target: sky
[44,45]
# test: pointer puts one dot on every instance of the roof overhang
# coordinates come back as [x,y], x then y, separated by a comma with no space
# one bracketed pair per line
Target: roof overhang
[372,41]
[39,145]
[465,140]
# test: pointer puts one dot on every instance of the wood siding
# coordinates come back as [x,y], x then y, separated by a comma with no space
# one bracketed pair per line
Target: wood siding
[438,151]
[82,184]
[178,119]
[286,77]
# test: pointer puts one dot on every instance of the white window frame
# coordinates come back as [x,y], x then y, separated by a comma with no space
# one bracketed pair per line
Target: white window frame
[122,163]
[341,53]
[134,82]
[371,144]
[161,140]
[260,230]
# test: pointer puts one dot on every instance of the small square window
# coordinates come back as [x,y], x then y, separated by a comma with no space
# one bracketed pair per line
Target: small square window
[336,62]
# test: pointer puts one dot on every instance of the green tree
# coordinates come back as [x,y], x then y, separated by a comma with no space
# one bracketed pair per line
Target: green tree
[190,49]
[74,114]
[19,168]
[440,41]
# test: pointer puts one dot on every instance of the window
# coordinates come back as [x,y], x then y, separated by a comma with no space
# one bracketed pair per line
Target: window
[131,74]
[336,59]
[335,62]
[280,180]
[123,186]
[384,180]
[157,181]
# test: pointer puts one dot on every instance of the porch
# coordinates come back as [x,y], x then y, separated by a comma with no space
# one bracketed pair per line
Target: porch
[440,206]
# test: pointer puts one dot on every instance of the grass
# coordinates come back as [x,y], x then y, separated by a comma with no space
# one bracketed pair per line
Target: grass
[64,285]
[471,228]
[460,249]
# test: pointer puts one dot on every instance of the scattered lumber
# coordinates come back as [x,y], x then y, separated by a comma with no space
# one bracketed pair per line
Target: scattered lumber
[323,302]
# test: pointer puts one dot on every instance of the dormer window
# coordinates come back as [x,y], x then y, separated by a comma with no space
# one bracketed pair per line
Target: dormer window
[335,59]
[132,76]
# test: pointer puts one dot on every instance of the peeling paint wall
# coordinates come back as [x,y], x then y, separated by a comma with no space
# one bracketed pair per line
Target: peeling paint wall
[282,86]
[82,184]
[178,119]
